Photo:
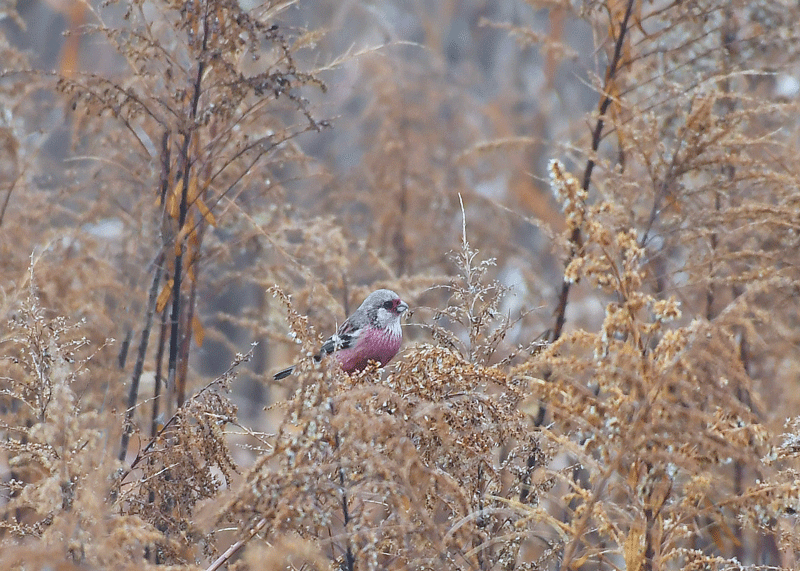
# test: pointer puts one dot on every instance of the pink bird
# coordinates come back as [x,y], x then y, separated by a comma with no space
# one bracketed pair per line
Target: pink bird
[371,333]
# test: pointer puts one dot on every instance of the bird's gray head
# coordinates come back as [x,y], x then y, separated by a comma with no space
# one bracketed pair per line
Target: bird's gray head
[384,309]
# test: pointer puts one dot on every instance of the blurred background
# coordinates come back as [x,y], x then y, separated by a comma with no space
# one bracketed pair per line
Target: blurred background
[426,101]
[320,150]
[423,102]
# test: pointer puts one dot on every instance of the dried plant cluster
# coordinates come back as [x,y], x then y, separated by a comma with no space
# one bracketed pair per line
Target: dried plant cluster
[592,208]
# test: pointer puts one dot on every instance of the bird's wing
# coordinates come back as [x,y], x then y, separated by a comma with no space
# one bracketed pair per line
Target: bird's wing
[344,338]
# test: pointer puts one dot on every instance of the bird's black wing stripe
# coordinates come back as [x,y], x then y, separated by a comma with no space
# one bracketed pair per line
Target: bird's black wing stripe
[283,374]
[335,343]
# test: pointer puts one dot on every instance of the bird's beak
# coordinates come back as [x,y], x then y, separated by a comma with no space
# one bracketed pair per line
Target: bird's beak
[402,307]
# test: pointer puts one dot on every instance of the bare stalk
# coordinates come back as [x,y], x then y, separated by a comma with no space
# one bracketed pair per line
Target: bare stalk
[140,356]
[575,238]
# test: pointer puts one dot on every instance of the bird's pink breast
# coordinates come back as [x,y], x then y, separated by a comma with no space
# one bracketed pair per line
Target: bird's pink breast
[372,345]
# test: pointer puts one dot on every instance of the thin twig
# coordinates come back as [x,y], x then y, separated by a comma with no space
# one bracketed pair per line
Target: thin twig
[350,560]
[6,200]
[237,546]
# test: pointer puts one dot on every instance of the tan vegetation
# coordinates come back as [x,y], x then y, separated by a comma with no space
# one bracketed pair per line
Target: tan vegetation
[593,209]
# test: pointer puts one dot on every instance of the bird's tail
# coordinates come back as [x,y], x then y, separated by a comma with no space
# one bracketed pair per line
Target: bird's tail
[289,370]
[283,374]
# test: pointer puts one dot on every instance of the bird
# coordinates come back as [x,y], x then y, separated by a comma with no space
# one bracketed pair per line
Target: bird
[371,333]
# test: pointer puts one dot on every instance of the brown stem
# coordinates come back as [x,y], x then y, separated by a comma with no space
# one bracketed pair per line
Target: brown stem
[575,246]
[180,385]
[140,356]
[186,163]
[349,563]
[6,200]
[575,238]
[159,375]
[222,559]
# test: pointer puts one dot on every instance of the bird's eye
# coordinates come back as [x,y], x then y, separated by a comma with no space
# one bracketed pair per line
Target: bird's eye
[388,304]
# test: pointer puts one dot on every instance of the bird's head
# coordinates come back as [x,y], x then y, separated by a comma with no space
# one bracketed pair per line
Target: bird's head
[384,308]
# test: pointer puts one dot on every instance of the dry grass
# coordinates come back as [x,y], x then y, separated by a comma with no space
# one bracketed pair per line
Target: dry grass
[591,207]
